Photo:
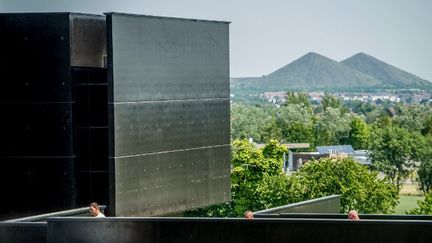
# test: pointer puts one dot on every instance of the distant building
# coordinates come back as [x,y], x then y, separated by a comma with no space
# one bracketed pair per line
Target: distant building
[276,97]
[340,150]
[297,160]
[288,164]
[336,149]
[361,157]
[287,145]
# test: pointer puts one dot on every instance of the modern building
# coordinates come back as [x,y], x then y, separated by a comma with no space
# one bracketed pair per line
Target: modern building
[131,111]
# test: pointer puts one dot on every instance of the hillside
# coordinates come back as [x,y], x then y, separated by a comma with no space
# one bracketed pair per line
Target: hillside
[316,72]
[389,75]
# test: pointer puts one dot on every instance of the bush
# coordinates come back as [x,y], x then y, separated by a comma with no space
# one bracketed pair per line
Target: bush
[358,187]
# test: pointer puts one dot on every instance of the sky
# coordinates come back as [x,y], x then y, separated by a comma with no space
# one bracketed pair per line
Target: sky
[267,35]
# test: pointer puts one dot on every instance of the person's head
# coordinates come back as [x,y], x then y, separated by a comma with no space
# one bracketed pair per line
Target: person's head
[248,215]
[353,215]
[94,209]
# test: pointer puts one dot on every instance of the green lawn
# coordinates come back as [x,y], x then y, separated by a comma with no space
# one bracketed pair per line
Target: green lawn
[406,203]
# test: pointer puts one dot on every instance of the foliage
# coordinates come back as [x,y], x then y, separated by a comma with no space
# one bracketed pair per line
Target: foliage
[332,127]
[424,171]
[414,118]
[359,133]
[392,151]
[361,108]
[427,126]
[359,188]
[296,123]
[247,121]
[273,191]
[257,181]
[373,116]
[274,150]
[425,176]
[406,203]
[329,100]
[252,170]
[424,207]
[297,98]
[396,141]
[271,130]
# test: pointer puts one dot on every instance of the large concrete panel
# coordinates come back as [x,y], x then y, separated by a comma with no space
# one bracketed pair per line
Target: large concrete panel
[146,127]
[330,204]
[36,155]
[35,59]
[88,40]
[36,129]
[32,185]
[156,58]
[23,232]
[168,94]
[172,181]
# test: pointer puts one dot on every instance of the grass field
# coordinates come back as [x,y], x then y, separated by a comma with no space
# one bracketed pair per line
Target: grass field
[406,203]
[410,189]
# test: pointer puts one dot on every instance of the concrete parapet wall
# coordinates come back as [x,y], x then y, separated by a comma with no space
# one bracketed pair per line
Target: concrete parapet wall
[330,204]
[201,230]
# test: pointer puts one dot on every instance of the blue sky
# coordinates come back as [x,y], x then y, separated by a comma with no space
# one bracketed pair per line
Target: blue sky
[266,35]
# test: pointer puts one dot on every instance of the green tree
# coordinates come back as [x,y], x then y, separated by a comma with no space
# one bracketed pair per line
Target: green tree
[252,170]
[424,207]
[374,115]
[332,127]
[274,150]
[414,118]
[392,151]
[362,108]
[427,126]
[296,123]
[359,188]
[424,157]
[329,100]
[248,121]
[424,173]
[297,98]
[273,191]
[359,133]
[257,181]
[271,130]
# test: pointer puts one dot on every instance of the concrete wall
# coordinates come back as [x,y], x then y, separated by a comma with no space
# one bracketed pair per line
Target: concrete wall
[168,87]
[36,103]
[23,232]
[237,230]
[330,204]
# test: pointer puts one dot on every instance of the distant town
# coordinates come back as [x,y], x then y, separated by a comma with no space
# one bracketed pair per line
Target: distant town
[409,96]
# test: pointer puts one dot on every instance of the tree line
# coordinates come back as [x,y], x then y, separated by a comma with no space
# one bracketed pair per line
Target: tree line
[258,182]
[397,136]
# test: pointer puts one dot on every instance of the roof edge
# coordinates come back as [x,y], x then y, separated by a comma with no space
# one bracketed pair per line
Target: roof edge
[164,17]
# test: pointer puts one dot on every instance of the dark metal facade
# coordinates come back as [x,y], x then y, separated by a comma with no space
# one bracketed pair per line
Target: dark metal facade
[36,126]
[42,113]
[151,137]
[168,95]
